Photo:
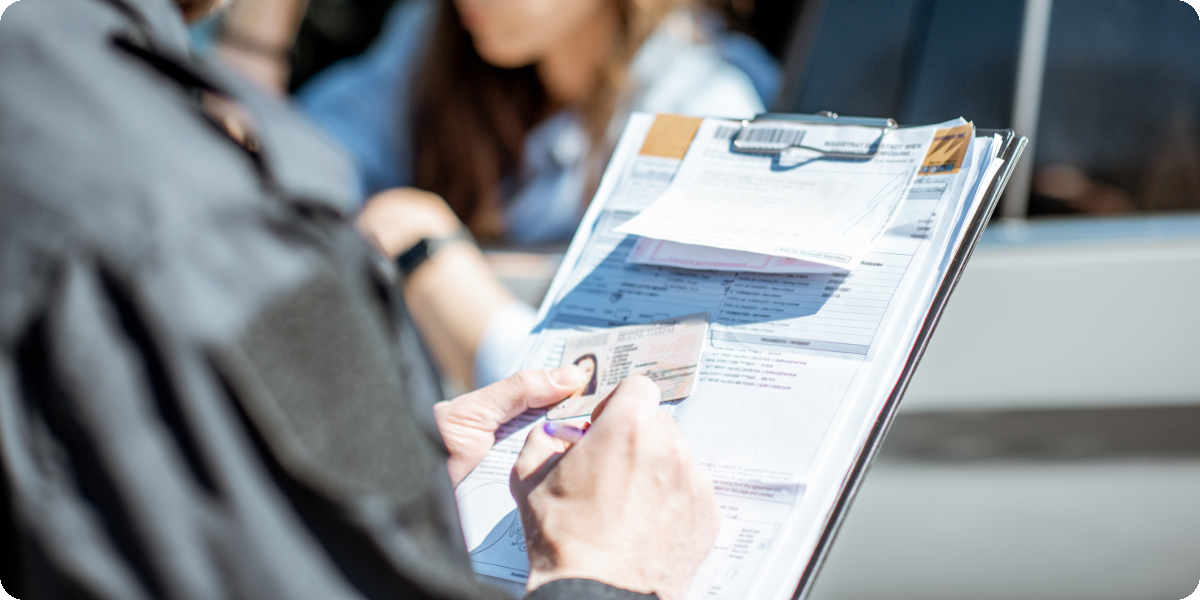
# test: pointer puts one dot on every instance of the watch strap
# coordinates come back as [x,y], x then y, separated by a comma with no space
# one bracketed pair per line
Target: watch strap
[410,260]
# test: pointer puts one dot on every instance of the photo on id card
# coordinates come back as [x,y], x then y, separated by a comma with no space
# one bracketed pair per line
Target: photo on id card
[668,352]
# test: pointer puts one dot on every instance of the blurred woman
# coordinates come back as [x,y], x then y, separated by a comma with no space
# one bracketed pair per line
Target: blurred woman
[504,114]
[508,110]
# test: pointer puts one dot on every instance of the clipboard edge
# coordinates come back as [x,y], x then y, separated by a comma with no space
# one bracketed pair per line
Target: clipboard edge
[1011,151]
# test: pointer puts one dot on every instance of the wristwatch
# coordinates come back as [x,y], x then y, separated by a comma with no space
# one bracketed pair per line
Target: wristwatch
[410,260]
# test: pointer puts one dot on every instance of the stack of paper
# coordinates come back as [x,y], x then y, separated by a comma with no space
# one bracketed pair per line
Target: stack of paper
[776,218]
[816,276]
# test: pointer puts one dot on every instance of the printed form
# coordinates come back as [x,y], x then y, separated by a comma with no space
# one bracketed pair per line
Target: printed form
[816,210]
[795,367]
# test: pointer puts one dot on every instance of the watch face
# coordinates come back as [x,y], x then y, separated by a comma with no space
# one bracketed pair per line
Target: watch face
[410,259]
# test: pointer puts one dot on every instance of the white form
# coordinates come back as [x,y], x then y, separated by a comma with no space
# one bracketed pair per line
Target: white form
[914,221]
[649,251]
[796,369]
[821,210]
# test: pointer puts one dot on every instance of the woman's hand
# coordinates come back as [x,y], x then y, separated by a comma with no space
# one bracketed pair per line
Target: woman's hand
[398,218]
[453,296]
[469,422]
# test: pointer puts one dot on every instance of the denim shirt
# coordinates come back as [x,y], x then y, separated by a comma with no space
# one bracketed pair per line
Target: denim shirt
[364,104]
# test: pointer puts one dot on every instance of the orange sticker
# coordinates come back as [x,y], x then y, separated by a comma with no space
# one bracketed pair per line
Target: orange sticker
[670,136]
[948,149]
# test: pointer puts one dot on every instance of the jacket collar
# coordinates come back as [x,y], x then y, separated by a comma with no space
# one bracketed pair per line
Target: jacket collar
[160,37]
[160,22]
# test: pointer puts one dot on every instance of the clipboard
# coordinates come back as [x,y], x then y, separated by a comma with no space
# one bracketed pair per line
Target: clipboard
[800,578]
[1011,148]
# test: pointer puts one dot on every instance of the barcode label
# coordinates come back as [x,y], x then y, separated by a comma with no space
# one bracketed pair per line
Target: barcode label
[725,132]
[771,137]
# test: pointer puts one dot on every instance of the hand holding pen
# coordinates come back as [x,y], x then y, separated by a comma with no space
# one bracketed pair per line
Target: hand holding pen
[623,503]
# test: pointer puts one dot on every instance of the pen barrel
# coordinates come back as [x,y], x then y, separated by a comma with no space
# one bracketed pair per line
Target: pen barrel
[562,431]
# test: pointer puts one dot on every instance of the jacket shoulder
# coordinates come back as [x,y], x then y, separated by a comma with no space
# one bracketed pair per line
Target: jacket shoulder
[30,25]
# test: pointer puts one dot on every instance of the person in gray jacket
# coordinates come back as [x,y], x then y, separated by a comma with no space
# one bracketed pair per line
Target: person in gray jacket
[210,385]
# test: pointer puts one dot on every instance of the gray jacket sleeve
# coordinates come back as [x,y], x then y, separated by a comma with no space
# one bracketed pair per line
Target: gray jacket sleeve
[133,467]
[206,389]
[563,589]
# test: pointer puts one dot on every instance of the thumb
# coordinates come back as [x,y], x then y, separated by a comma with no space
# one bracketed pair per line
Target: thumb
[510,397]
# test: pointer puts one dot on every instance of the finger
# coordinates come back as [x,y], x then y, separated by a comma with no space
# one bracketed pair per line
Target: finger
[634,402]
[706,504]
[539,451]
[510,397]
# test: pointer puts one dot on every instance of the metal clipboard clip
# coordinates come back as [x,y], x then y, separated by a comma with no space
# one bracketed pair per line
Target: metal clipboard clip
[758,136]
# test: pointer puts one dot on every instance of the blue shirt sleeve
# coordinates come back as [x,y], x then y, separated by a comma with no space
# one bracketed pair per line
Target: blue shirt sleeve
[363,102]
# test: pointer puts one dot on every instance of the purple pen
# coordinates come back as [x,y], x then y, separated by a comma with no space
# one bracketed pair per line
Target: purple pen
[564,432]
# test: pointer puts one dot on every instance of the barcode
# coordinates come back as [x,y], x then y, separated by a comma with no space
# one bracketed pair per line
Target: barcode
[725,132]
[775,137]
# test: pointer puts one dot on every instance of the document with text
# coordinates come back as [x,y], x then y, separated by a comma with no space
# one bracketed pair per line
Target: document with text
[787,304]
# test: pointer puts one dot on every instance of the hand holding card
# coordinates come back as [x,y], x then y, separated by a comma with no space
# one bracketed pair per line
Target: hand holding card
[668,352]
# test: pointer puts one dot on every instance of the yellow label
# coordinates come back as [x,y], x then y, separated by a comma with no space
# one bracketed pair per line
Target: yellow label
[948,149]
[670,136]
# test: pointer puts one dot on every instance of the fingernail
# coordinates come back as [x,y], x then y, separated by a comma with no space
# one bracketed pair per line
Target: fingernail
[569,377]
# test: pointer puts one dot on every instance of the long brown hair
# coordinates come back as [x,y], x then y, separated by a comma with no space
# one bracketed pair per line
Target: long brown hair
[470,119]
